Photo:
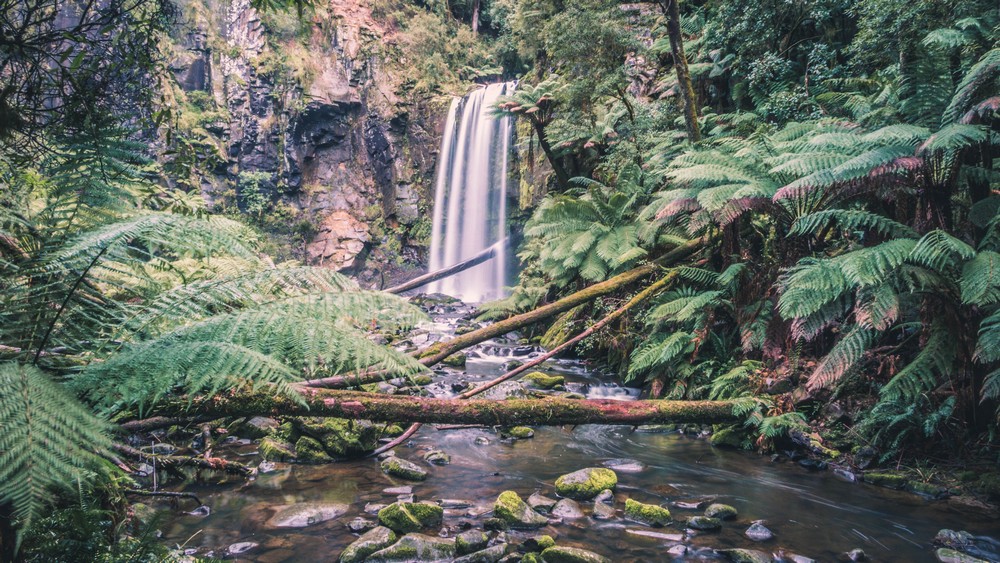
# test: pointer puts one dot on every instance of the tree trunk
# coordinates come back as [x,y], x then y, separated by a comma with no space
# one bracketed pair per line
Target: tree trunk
[475,16]
[511,412]
[561,175]
[671,9]
[449,271]
[442,350]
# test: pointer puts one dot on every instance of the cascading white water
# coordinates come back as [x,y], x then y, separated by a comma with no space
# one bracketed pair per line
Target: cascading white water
[470,196]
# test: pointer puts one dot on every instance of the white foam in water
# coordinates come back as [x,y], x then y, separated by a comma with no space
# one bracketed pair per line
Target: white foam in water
[470,196]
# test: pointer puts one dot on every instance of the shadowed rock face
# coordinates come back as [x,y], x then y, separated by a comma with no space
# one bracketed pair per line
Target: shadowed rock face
[335,141]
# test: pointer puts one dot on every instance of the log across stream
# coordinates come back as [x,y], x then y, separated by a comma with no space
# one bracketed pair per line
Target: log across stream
[818,515]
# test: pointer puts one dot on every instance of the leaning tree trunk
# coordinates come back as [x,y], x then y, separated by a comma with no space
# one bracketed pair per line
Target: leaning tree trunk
[561,175]
[671,9]
[395,408]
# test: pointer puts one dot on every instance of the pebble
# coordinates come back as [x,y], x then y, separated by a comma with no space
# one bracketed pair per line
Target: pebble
[758,532]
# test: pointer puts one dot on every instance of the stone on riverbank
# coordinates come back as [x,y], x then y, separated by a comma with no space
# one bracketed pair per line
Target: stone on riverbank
[516,513]
[403,469]
[272,449]
[416,547]
[309,450]
[729,437]
[721,511]
[437,457]
[411,516]
[471,542]
[704,523]
[559,554]
[647,513]
[586,483]
[373,540]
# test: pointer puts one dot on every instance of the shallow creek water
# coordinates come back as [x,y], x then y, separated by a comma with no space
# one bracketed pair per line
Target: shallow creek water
[819,515]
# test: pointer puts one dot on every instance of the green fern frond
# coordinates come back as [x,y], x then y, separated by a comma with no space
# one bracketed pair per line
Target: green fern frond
[843,358]
[980,280]
[938,250]
[922,374]
[658,353]
[851,220]
[975,85]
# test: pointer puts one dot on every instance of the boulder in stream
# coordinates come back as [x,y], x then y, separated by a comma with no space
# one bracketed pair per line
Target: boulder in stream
[411,516]
[758,532]
[540,380]
[521,432]
[416,547]
[471,542]
[373,540]
[650,514]
[603,511]
[704,523]
[745,555]
[567,509]
[948,555]
[540,502]
[489,555]
[558,554]
[403,469]
[305,514]
[516,513]
[721,511]
[586,483]
[437,457]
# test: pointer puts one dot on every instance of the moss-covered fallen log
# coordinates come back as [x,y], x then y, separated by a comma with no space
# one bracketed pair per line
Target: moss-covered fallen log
[394,408]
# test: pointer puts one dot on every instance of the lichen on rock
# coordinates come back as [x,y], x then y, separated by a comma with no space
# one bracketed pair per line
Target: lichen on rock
[586,483]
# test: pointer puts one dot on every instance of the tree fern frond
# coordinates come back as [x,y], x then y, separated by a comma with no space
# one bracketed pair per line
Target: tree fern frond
[938,249]
[921,374]
[973,86]
[852,220]
[657,354]
[842,358]
[980,280]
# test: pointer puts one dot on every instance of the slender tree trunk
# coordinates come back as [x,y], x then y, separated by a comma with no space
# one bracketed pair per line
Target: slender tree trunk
[561,175]
[553,411]
[475,16]
[449,271]
[671,9]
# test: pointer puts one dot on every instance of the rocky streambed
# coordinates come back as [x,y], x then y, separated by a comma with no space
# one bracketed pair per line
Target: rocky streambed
[583,494]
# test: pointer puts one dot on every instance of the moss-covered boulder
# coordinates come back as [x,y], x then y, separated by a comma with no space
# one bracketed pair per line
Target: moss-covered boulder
[309,450]
[728,437]
[416,547]
[455,361]
[540,380]
[471,542]
[537,544]
[889,480]
[371,541]
[437,457]
[520,432]
[411,516]
[721,511]
[398,467]
[745,555]
[422,380]
[948,555]
[491,554]
[516,513]
[531,558]
[273,449]
[650,514]
[340,437]
[704,523]
[586,483]
[557,554]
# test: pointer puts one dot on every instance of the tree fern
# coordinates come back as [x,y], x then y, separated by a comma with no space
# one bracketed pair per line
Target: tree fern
[921,375]
[658,353]
[843,358]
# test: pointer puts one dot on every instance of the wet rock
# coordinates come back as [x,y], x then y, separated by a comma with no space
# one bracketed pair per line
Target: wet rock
[374,507]
[857,555]
[730,437]
[495,524]
[241,547]
[567,509]
[813,464]
[529,558]
[521,432]
[423,380]
[437,457]
[647,513]
[758,532]
[201,511]
[511,365]
[470,542]
[265,467]
[309,450]
[677,551]
[558,554]
[373,540]
[455,361]
[403,469]
[645,533]
[864,457]
[404,490]
[889,480]
[578,396]
[606,496]
[704,523]
[516,513]
[603,511]
[537,544]
[745,555]
[453,503]
[305,514]
[721,511]
[541,503]
[481,441]
[586,483]
[655,429]
[272,449]
[411,517]
[539,380]
[782,555]
[491,554]
[360,525]
[416,547]
[928,490]
[625,465]
[257,427]
[960,540]
[948,555]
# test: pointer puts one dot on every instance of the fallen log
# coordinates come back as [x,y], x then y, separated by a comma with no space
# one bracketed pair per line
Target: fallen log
[510,412]
[434,276]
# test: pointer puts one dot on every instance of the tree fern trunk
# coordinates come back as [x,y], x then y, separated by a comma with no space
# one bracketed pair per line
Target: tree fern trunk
[671,9]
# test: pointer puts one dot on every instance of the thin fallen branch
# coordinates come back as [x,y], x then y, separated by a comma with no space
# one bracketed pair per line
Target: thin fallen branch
[156,422]
[434,276]
[608,319]
[214,463]
[164,494]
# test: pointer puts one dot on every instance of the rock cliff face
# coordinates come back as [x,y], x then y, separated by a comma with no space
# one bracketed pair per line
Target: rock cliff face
[306,110]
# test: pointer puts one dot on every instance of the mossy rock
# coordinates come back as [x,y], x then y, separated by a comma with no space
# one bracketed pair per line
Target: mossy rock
[537,544]
[416,547]
[437,457]
[257,427]
[471,542]
[557,554]
[704,523]
[403,469]
[393,430]
[577,396]
[586,484]
[455,361]
[888,480]
[411,516]
[423,380]
[491,554]
[728,437]
[309,450]
[273,449]
[531,558]
[948,555]
[540,380]
[373,540]
[989,485]
[340,437]
[650,514]
[516,513]
[521,432]
[745,555]
[721,511]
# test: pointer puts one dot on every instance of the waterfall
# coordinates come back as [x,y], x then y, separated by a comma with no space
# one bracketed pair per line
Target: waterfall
[470,196]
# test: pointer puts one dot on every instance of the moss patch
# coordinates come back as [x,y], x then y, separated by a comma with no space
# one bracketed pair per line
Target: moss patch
[721,511]
[516,513]
[404,469]
[647,513]
[455,361]
[308,450]
[411,517]
[272,449]
[728,437]
[521,432]
[889,480]
[558,554]
[586,483]
[541,380]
